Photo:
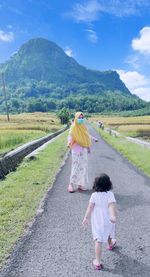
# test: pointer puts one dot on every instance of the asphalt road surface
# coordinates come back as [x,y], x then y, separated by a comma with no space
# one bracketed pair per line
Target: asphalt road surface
[58,244]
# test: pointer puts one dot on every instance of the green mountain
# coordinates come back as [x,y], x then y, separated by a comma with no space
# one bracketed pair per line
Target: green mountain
[41,72]
[42,60]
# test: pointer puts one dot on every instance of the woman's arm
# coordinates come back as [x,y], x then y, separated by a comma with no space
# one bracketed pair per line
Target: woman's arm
[88,213]
[94,139]
[70,141]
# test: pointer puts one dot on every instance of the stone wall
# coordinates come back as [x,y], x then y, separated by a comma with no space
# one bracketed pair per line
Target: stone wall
[10,161]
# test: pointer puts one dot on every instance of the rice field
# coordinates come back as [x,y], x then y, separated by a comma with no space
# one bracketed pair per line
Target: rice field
[135,130]
[25,127]
[138,126]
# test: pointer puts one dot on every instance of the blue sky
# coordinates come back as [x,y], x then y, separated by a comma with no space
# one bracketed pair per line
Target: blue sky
[99,34]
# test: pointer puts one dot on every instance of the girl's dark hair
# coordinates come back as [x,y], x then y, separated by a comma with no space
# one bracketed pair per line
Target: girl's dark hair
[102,183]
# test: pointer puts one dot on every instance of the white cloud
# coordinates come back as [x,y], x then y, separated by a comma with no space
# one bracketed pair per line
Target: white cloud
[87,12]
[137,83]
[90,10]
[124,8]
[142,44]
[92,35]
[139,59]
[143,93]
[6,36]
[133,79]
[69,52]
[134,61]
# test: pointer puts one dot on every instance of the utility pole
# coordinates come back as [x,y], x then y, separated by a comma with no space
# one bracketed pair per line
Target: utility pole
[5,96]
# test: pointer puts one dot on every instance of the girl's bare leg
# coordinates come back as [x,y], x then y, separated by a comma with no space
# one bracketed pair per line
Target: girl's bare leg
[111,243]
[98,252]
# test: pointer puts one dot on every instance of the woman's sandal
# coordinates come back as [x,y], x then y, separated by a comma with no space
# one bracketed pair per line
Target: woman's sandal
[70,189]
[112,246]
[81,188]
[97,267]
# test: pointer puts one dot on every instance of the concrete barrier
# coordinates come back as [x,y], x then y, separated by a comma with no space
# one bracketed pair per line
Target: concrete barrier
[10,161]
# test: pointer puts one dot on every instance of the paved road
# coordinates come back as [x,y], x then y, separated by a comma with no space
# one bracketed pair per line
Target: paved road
[60,246]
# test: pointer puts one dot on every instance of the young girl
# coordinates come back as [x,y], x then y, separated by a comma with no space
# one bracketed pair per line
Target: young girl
[102,209]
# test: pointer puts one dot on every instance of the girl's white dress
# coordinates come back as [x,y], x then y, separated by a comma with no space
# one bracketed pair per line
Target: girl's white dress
[102,227]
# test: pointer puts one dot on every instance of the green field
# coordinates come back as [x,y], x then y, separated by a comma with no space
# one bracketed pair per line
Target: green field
[25,127]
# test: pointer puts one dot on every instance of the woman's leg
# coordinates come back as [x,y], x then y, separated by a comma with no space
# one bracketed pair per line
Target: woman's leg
[74,178]
[83,170]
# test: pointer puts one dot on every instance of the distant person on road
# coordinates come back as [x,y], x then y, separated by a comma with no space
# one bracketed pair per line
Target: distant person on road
[79,141]
[102,208]
[100,125]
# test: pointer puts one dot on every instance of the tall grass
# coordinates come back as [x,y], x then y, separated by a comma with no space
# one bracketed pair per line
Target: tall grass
[10,138]
[25,127]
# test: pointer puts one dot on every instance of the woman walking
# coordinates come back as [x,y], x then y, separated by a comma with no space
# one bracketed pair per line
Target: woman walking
[79,141]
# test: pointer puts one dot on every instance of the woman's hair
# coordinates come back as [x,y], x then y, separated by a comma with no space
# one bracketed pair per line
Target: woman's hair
[102,183]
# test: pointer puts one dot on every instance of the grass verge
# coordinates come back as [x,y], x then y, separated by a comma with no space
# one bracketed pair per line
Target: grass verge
[136,154]
[9,139]
[21,192]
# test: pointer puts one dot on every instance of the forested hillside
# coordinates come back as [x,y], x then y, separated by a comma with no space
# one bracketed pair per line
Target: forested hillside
[41,77]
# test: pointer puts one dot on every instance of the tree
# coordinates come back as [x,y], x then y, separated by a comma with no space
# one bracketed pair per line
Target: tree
[64,115]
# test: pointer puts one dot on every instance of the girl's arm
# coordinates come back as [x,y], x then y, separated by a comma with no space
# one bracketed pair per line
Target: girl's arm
[112,212]
[88,213]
